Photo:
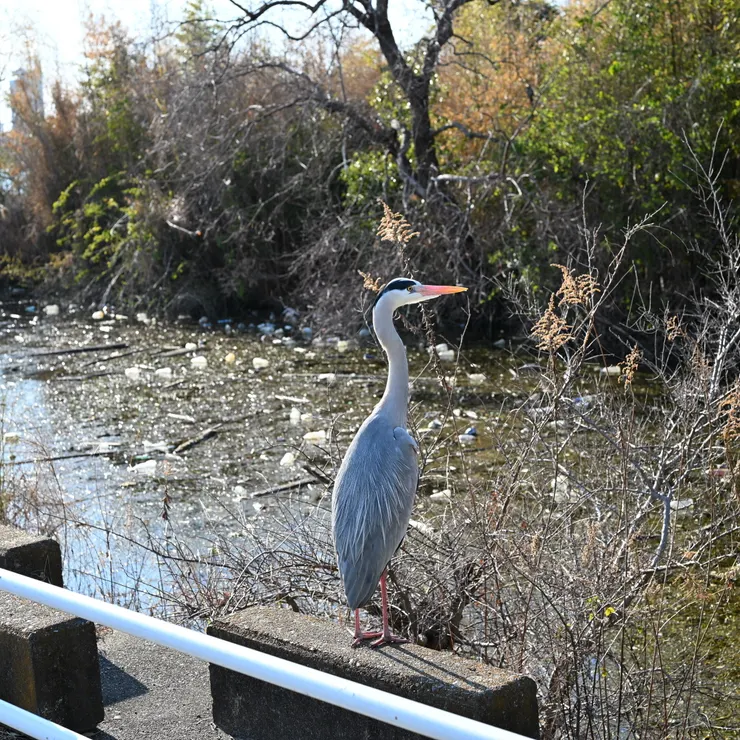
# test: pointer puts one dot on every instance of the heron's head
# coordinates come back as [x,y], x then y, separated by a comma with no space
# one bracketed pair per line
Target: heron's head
[402,292]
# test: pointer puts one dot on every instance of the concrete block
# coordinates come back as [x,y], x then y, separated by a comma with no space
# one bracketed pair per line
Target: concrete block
[254,710]
[49,663]
[30,555]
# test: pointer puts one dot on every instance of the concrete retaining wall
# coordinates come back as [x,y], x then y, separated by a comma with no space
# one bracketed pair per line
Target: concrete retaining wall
[49,664]
[249,708]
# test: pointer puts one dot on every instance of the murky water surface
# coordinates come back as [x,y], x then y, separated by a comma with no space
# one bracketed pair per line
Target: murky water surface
[153,429]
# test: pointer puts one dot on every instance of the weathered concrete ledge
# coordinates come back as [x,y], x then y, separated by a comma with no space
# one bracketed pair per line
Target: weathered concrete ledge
[30,555]
[249,708]
[48,660]
[49,663]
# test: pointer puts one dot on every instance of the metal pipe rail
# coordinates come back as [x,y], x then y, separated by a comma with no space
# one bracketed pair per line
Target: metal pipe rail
[394,710]
[34,726]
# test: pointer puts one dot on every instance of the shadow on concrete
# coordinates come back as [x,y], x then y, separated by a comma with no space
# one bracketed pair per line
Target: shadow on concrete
[436,669]
[117,685]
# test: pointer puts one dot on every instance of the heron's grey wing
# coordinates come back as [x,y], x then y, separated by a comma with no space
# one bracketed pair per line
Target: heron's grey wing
[373,499]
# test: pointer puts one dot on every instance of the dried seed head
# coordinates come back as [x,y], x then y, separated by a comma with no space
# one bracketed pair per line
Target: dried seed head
[575,291]
[372,284]
[394,227]
[629,367]
[551,330]
[673,328]
[729,408]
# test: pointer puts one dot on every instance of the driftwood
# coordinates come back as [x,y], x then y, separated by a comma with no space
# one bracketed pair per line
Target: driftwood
[292,399]
[202,437]
[55,458]
[115,356]
[173,384]
[87,376]
[80,350]
[179,351]
[282,488]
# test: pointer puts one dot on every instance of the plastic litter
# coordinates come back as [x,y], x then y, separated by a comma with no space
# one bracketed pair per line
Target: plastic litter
[318,436]
[132,373]
[199,362]
[51,310]
[145,468]
[260,363]
[287,460]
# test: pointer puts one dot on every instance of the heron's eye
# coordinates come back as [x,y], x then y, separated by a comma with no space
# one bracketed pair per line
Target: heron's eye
[410,289]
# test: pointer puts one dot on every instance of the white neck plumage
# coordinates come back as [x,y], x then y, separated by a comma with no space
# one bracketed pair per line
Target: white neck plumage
[395,400]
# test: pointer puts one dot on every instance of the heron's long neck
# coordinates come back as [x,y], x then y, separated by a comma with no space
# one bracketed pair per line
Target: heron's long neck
[395,400]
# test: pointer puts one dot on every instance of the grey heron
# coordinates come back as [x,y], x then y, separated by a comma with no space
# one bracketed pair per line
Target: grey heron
[375,487]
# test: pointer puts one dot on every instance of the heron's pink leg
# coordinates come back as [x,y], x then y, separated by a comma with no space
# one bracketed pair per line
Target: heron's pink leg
[359,634]
[386,636]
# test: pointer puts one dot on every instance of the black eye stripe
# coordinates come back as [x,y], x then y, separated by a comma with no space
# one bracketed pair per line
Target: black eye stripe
[397,284]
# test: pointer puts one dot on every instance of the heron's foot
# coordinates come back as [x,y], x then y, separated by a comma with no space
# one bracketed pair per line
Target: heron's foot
[388,638]
[362,636]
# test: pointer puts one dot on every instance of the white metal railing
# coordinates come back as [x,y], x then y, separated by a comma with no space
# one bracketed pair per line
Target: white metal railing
[34,726]
[394,710]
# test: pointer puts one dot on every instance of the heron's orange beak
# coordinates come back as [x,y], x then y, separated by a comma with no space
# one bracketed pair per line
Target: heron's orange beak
[435,290]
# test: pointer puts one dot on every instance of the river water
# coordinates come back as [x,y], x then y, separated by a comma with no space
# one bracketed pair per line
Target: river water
[161,436]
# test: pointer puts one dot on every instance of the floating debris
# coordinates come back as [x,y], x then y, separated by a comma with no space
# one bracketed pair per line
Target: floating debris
[98,315]
[471,431]
[441,497]
[132,373]
[328,378]
[466,439]
[319,436]
[611,370]
[422,527]
[287,460]
[477,379]
[295,415]
[145,468]
[342,346]
[51,310]
[260,363]
[163,372]
[266,328]
[11,438]
[230,359]
[199,362]
[434,424]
